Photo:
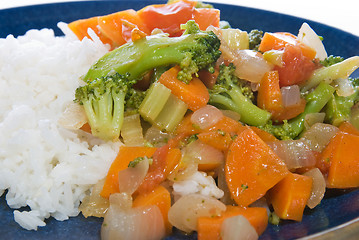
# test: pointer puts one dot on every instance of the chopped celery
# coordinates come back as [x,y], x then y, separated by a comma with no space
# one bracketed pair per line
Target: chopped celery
[172,113]
[154,101]
[131,131]
[161,108]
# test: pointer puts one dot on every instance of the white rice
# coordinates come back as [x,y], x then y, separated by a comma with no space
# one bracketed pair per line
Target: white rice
[43,165]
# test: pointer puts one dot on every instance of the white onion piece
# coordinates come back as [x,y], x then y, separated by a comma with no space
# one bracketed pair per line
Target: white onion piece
[307,36]
[186,210]
[290,95]
[250,65]
[238,228]
[295,153]
[318,188]
[157,137]
[141,223]
[203,153]
[94,204]
[262,202]
[312,118]
[206,116]
[344,87]
[222,184]
[130,178]
[74,116]
[319,135]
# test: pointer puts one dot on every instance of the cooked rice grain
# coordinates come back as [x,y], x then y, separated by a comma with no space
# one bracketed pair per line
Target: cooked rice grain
[42,165]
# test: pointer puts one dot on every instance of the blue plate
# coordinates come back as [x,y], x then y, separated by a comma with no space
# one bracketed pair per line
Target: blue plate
[337,208]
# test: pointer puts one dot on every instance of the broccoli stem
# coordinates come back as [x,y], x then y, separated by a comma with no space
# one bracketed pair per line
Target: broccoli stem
[316,101]
[250,113]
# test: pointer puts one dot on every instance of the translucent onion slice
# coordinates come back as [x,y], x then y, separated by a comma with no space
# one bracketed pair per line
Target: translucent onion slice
[131,130]
[74,116]
[222,184]
[295,153]
[319,135]
[238,228]
[290,95]
[236,38]
[186,210]
[157,137]
[307,36]
[344,87]
[130,178]
[94,204]
[206,116]
[318,189]
[141,223]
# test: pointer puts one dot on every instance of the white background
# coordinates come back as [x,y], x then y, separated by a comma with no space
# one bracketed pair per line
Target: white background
[342,14]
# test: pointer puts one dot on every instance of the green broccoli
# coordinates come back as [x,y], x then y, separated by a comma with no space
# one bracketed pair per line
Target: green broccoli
[231,93]
[331,60]
[104,103]
[255,37]
[338,109]
[316,100]
[193,51]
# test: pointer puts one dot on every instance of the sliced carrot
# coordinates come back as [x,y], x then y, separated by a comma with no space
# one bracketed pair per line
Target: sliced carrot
[265,136]
[278,40]
[124,157]
[219,139]
[80,28]
[269,94]
[291,111]
[342,156]
[195,94]
[209,79]
[289,197]
[118,26]
[173,158]
[206,17]
[348,128]
[86,127]
[251,168]
[209,228]
[160,197]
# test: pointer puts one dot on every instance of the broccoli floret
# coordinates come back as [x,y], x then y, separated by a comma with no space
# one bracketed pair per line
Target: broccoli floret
[316,100]
[230,93]
[331,60]
[134,99]
[193,51]
[338,109]
[104,100]
[255,37]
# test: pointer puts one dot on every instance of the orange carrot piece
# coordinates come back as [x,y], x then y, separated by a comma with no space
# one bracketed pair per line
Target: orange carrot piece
[341,154]
[206,17]
[209,228]
[219,139]
[252,168]
[290,112]
[289,197]
[194,94]
[348,128]
[173,158]
[86,127]
[80,27]
[265,136]
[278,40]
[269,94]
[124,157]
[226,124]
[160,197]
[118,26]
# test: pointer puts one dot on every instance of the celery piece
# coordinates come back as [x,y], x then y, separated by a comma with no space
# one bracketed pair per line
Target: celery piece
[154,101]
[328,74]
[131,131]
[171,114]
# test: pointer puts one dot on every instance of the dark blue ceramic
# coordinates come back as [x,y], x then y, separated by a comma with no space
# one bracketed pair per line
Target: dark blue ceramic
[336,209]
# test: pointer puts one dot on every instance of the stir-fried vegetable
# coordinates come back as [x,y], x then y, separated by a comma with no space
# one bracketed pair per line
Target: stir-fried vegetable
[269,116]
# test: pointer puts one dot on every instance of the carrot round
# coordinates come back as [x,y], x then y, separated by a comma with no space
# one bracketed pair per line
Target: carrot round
[289,197]
[124,157]
[206,17]
[194,94]
[251,168]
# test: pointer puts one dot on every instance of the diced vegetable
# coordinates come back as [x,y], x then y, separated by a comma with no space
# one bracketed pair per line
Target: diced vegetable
[252,168]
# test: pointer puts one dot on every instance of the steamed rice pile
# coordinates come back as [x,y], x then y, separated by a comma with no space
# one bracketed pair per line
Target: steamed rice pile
[43,165]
